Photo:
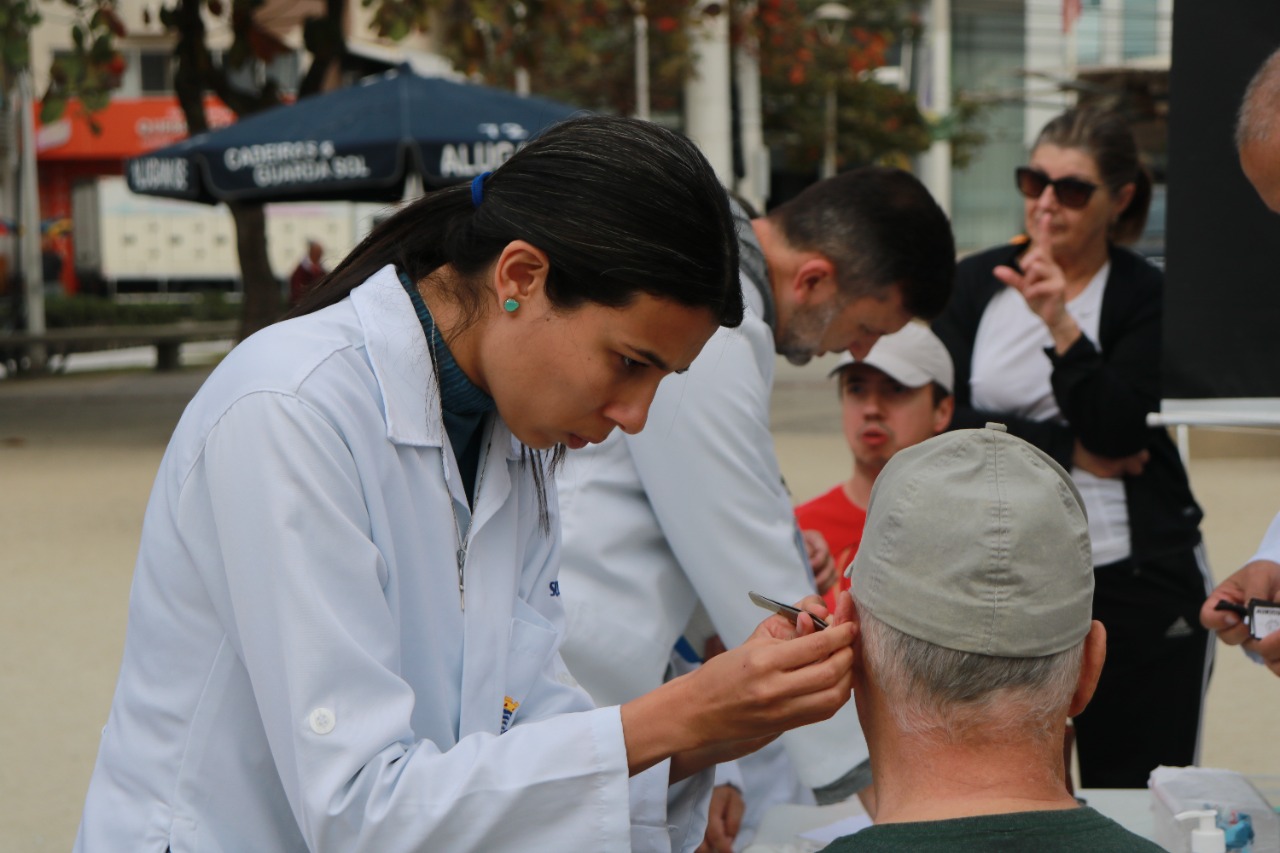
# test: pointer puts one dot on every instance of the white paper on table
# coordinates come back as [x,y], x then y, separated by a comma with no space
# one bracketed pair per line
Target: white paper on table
[832,831]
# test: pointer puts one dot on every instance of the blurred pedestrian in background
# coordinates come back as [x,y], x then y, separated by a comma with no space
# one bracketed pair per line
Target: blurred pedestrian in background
[307,273]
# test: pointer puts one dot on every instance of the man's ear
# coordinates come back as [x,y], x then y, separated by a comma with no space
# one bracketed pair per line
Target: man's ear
[845,611]
[942,414]
[814,281]
[521,272]
[1095,655]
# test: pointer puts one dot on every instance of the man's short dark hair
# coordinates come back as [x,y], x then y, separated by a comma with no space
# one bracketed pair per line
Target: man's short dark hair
[880,227]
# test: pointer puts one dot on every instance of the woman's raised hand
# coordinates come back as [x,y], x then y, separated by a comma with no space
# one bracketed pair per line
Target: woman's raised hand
[1043,285]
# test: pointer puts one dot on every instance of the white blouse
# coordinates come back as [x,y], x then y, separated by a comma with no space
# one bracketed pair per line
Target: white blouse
[1011,373]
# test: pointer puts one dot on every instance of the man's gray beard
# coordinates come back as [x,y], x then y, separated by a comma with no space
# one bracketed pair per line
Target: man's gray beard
[799,359]
[799,342]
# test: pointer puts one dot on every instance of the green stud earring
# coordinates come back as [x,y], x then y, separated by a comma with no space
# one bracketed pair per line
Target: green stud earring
[510,306]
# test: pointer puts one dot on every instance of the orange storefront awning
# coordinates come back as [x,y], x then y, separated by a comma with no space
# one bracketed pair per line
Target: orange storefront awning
[129,127]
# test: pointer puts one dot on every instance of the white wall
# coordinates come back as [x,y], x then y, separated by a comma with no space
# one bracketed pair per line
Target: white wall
[155,238]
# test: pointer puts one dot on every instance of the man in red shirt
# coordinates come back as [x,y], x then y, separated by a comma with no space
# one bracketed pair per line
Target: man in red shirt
[897,396]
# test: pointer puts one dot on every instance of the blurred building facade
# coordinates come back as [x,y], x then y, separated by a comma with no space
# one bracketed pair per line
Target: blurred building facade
[1026,61]
[102,235]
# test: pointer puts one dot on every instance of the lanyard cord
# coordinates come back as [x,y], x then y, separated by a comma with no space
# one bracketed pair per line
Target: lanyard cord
[462,536]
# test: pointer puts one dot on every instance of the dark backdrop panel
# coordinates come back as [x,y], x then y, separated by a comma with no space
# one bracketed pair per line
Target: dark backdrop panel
[1222,291]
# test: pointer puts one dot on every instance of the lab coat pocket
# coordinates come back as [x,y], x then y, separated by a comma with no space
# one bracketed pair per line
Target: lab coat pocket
[529,649]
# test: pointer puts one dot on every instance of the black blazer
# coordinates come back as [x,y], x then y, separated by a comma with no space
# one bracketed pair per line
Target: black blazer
[1104,396]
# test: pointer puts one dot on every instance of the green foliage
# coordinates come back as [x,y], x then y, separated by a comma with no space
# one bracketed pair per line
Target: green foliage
[395,19]
[89,72]
[963,127]
[17,19]
[583,52]
[799,62]
[578,51]
[63,312]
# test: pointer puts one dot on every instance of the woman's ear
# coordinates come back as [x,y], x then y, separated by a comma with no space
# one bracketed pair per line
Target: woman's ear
[520,273]
[1122,199]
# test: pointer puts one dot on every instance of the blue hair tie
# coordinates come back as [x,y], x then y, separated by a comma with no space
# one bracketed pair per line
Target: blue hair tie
[477,188]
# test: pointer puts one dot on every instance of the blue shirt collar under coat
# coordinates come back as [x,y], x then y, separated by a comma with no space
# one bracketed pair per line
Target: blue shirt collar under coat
[401,362]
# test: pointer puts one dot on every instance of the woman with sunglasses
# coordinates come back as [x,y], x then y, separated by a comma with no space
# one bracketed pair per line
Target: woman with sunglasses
[345,618]
[1057,335]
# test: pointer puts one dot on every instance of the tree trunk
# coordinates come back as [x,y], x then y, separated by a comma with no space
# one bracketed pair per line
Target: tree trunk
[262,303]
[195,73]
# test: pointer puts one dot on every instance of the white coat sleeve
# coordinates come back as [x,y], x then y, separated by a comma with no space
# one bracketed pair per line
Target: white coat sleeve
[729,773]
[707,462]
[1269,547]
[708,467]
[308,617]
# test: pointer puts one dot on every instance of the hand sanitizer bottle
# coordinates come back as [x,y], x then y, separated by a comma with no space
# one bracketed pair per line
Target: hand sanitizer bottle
[1206,838]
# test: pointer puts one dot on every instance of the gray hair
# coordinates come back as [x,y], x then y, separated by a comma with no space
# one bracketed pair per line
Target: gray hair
[1261,100]
[955,696]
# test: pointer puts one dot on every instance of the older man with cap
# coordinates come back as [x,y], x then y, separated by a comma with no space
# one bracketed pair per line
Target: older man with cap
[895,397]
[973,591]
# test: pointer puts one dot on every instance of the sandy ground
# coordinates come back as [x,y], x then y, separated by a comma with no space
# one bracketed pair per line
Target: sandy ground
[77,456]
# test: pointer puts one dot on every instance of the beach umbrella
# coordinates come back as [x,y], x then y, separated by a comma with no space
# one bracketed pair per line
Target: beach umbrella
[353,144]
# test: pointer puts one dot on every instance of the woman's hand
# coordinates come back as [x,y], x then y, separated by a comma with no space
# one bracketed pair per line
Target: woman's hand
[825,571]
[1044,286]
[782,677]
[724,820]
[1107,466]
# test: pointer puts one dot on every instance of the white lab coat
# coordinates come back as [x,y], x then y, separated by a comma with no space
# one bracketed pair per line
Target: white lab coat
[691,508]
[298,673]
[1269,547]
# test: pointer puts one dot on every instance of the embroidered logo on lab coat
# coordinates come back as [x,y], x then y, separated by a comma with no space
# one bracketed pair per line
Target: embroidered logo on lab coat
[509,706]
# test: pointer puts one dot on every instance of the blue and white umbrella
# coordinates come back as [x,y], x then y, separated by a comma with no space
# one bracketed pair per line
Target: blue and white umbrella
[357,143]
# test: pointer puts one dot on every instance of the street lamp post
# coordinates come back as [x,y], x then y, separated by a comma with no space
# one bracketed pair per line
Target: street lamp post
[640,26]
[830,19]
[29,217]
[707,89]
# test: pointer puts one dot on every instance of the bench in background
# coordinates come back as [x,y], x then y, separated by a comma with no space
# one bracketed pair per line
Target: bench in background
[167,338]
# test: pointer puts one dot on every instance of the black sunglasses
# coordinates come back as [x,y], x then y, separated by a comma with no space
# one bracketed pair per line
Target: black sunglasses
[1070,192]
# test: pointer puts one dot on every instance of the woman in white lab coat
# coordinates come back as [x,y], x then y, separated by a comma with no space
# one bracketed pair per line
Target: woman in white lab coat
[345,619]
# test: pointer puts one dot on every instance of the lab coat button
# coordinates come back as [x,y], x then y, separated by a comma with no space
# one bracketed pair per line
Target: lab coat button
[322,721]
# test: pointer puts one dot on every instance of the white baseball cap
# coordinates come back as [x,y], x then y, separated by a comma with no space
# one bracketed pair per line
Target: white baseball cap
[913,356]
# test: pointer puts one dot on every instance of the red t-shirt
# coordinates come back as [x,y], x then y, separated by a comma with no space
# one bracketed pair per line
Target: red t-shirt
[840,523]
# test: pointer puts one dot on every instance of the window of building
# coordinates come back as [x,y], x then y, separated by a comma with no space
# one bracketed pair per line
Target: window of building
[155,70]
[251,76]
